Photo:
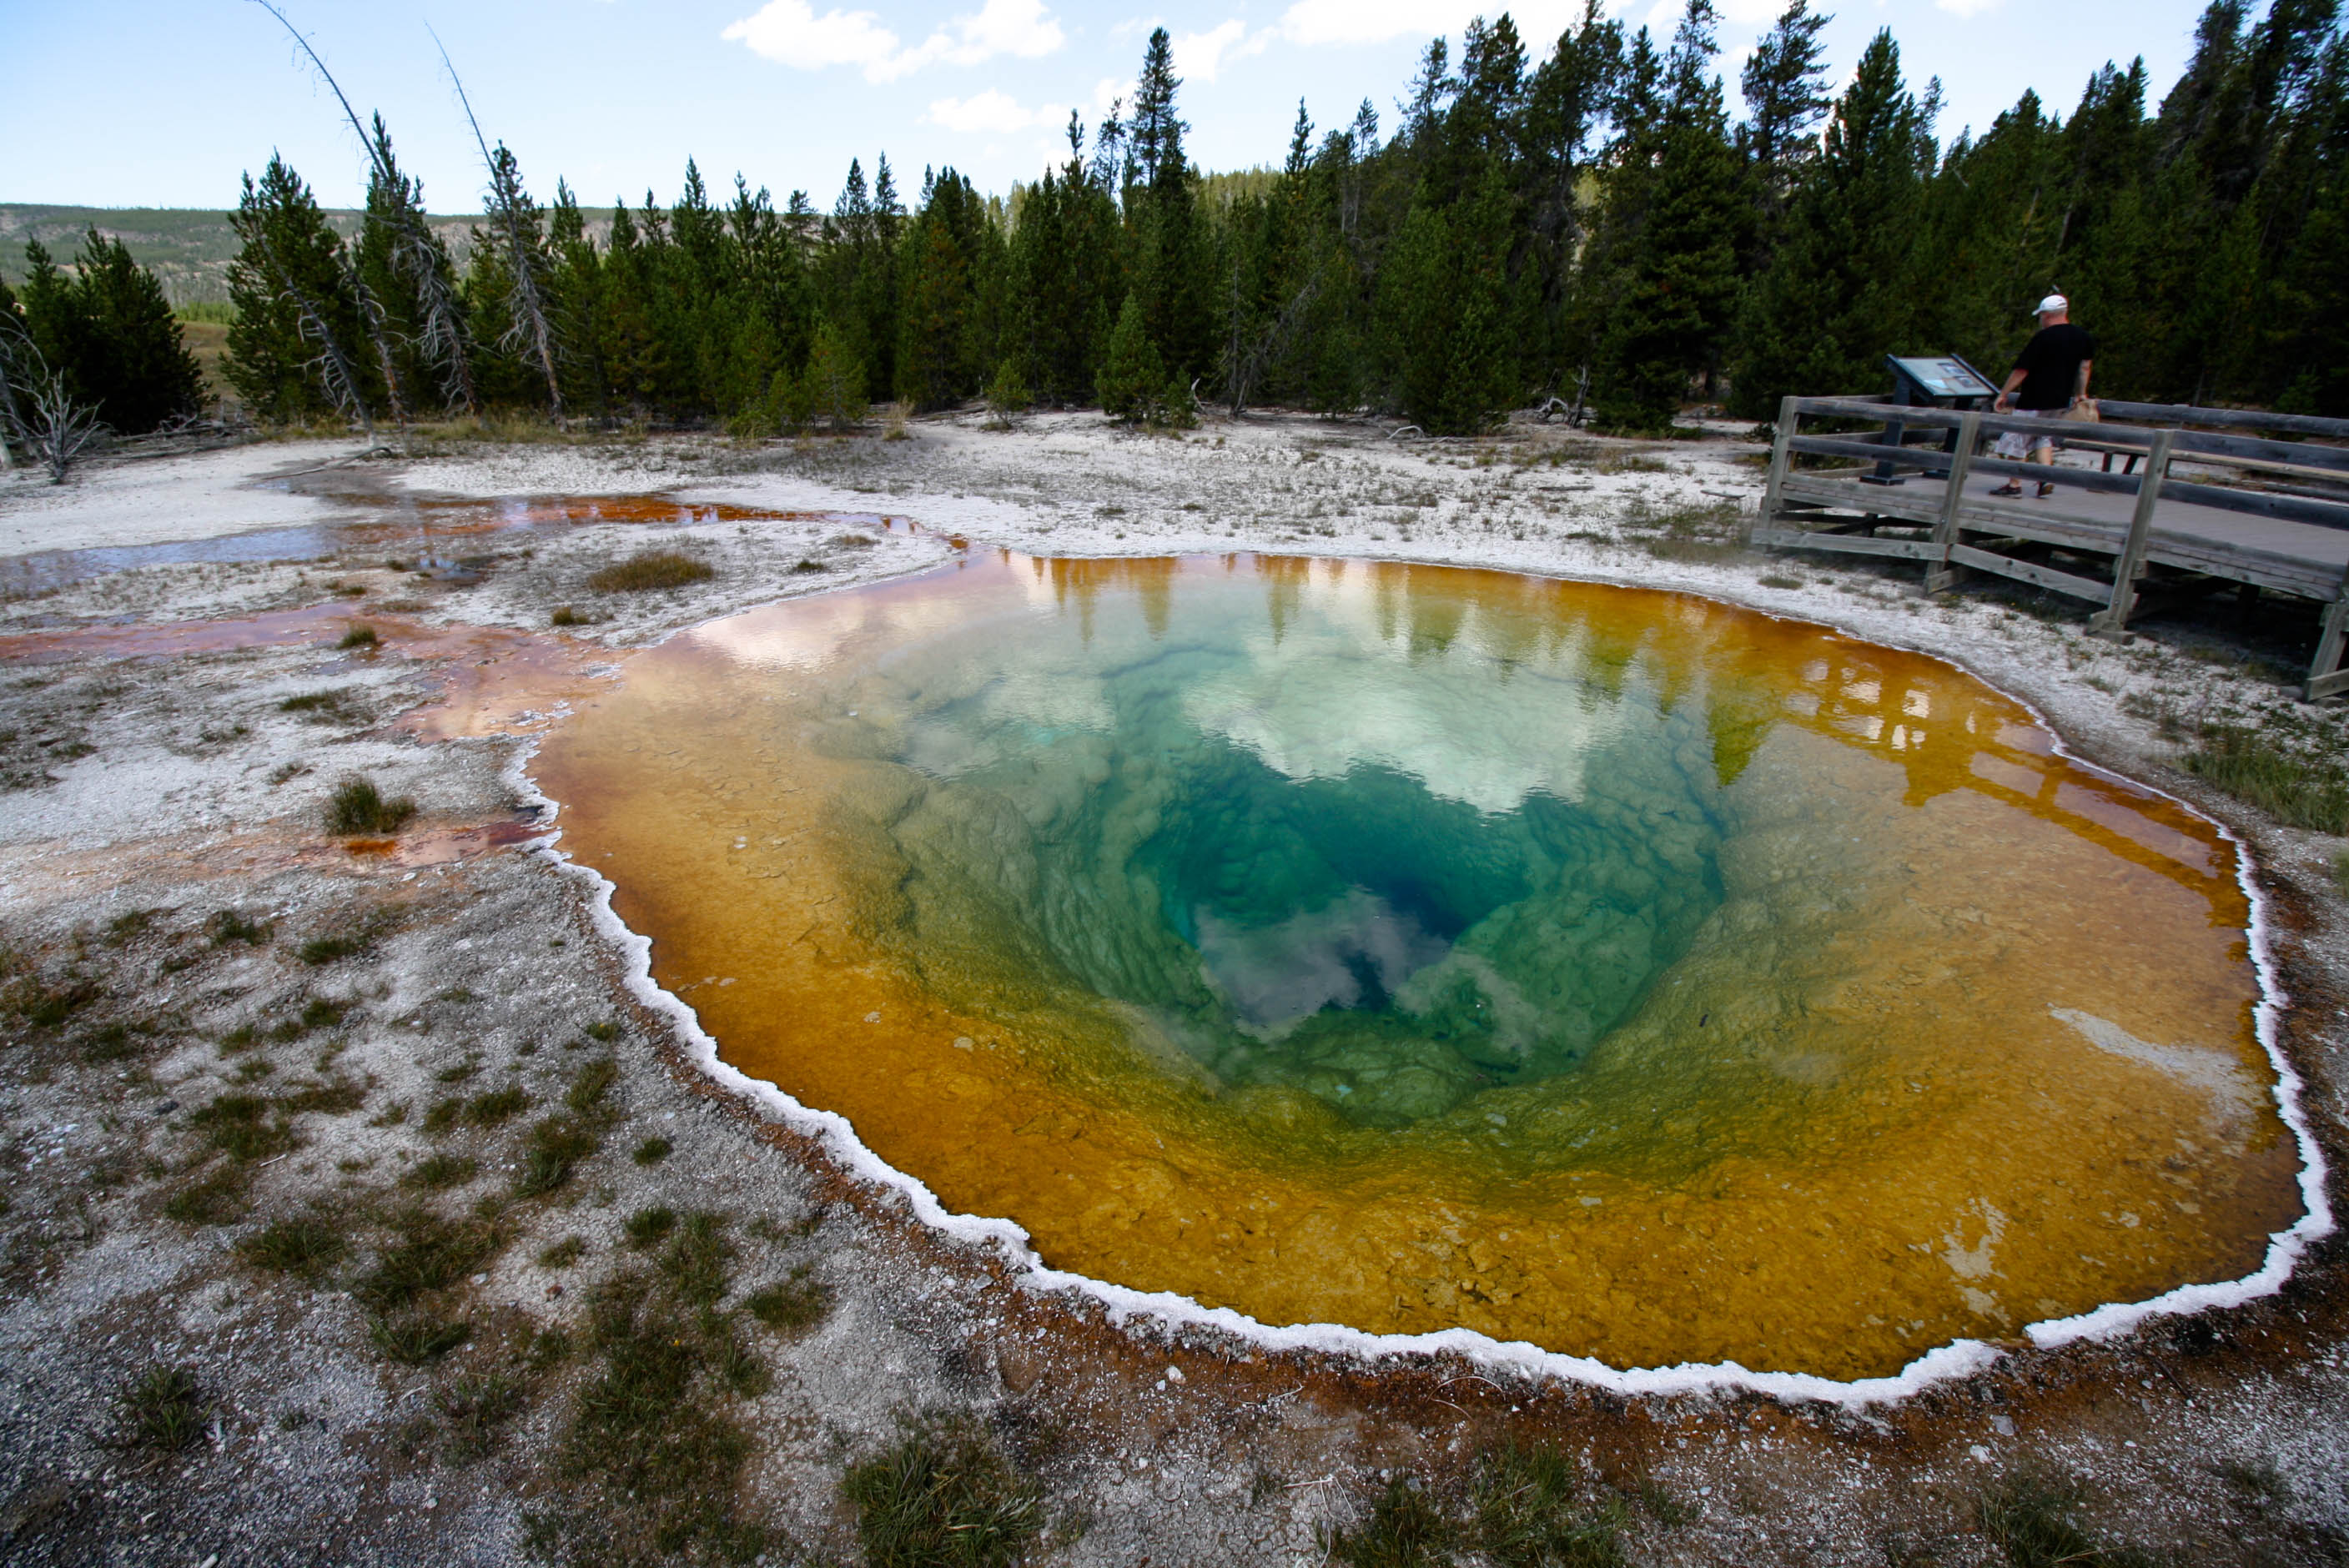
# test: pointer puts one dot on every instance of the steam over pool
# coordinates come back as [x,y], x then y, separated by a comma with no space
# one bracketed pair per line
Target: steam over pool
[1413,948]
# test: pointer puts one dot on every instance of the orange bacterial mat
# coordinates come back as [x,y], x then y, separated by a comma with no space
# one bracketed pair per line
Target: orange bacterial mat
[1414,948]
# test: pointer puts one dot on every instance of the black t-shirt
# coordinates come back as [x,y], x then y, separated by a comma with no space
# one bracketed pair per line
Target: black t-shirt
[2051,363]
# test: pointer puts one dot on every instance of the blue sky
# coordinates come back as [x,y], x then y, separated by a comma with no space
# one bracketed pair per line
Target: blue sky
[163,102]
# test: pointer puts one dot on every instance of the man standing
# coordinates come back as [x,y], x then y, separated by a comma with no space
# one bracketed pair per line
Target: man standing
[2051,375]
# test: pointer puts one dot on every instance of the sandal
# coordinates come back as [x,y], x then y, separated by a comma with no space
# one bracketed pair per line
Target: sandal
[2012,487]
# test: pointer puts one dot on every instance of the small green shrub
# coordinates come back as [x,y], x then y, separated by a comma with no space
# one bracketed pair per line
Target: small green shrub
[1529,1515]
[327,949]
[556,1144]
[358,807]
[652,1151]
[359,636]
[564,615]
[651,570]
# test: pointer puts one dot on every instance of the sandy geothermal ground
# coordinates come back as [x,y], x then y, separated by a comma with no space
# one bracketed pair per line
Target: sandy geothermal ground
[282,1120]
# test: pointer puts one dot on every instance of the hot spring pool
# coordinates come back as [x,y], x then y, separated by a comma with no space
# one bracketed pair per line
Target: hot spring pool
[1414,948]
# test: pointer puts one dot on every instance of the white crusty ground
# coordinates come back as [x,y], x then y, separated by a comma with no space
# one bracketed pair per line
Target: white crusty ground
[1237,1462]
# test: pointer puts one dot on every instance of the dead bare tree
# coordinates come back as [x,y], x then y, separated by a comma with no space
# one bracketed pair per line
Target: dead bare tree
[413,254]
[528,324]
[37,409]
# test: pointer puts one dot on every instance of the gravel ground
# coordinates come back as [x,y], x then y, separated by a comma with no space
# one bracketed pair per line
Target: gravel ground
[233,1041]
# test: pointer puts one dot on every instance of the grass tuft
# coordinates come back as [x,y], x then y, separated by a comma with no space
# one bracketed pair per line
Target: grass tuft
[556,1144]
[440,1171]
[358,807]
[475,1408]
[652,1151]
[649,1430]
[650,570]
[359,636]
[944,1495]
[595,1080]
[416,1338]
[2295,791]
[647,1228]
[229,925]
[499,1105]
[240,1126]
[428,1253]
[695,1263]
[304,1248]
[162,1410]
[1405,1529]
[214,1198]
[2034,1521]
[1529,1515]
[794,1305]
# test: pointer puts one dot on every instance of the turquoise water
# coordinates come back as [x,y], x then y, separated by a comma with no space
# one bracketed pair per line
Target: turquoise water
[1332,922]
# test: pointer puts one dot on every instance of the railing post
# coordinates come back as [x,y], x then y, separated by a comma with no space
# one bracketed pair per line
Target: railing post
[2324,677]
[1768,516]
[1938,573]
[2113,619]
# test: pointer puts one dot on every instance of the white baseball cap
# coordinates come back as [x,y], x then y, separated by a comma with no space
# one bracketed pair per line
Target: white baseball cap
[2051,304]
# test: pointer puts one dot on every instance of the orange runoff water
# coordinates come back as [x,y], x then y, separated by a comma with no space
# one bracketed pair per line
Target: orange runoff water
[1414,948]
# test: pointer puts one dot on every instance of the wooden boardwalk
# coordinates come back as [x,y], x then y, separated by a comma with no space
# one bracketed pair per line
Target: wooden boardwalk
[2180,526]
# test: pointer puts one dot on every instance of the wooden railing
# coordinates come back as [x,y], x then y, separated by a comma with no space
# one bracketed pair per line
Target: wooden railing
[2301,482]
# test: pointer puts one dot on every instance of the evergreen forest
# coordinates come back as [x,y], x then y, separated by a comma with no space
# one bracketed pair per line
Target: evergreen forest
[1583,218]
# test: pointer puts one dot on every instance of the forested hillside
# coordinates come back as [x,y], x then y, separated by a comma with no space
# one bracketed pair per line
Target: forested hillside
[1543,217]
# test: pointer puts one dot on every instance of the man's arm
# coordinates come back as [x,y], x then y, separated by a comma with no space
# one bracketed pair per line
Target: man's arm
[2013,384]
[2080,387]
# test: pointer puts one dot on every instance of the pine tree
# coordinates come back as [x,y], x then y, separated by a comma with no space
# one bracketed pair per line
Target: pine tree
[108,330]
[1785,86]
[1677,211]
[294,352]
[1131,375]
[1837,296]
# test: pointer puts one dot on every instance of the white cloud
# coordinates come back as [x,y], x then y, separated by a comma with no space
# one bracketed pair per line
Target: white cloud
[992,112]
[1313,22]
[789,32]
[1200,56]
[1020,27]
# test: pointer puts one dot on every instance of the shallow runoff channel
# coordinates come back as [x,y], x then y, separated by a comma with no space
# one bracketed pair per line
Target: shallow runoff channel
[1394,956]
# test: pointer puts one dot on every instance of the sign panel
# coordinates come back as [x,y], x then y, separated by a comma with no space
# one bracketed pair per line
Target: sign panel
[1944,378]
